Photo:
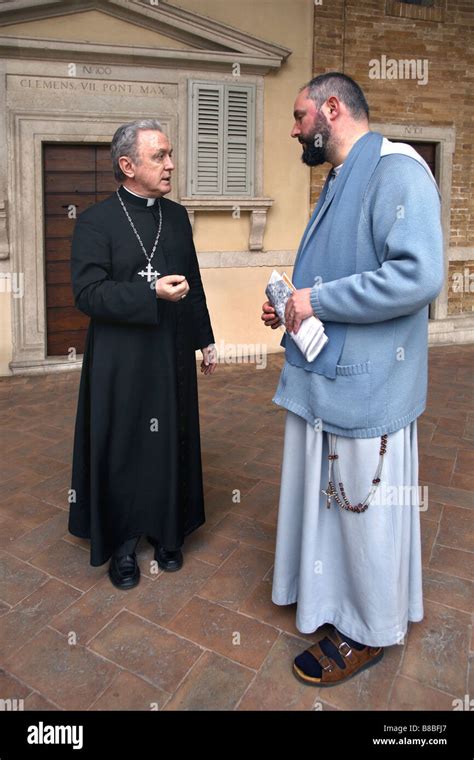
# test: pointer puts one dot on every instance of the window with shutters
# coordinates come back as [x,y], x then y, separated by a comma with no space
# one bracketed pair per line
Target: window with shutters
[221,139]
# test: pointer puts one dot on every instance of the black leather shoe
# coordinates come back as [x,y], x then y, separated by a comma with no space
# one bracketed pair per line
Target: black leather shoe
[167,560]
[124,571]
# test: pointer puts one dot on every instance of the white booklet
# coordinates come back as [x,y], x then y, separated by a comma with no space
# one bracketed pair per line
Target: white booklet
[311,337]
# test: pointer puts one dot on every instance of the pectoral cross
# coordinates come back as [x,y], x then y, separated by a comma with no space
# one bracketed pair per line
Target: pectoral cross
[148,273]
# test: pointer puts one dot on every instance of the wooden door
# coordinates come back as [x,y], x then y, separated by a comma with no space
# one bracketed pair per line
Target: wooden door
[74,177]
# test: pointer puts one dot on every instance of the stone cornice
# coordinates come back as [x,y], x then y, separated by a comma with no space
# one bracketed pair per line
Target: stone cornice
[49,49]
[205,35]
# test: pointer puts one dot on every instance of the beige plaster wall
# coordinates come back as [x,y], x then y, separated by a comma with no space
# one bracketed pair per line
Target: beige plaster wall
[286,179]
[234,298]
[287,22]
[234,295]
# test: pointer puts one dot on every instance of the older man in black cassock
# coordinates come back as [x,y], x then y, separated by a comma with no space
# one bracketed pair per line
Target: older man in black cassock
[137,459]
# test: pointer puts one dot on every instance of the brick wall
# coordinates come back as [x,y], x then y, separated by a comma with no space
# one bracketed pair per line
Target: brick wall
[461,287]
[348,35]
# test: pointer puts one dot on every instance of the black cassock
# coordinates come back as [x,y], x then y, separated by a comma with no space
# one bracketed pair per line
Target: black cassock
[137,457]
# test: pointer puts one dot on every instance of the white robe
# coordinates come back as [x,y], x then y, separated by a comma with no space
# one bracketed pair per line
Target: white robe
[360,572]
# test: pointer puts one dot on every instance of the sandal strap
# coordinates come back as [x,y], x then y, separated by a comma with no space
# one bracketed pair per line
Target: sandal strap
[352,658]
[327,663]
[350,654]
[359,653]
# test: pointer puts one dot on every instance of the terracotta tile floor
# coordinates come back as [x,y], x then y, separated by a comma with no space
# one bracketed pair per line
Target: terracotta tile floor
[209,636]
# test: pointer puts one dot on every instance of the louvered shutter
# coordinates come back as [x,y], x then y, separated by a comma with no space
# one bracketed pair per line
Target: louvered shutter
[207,127]
[221,133]
[237,140]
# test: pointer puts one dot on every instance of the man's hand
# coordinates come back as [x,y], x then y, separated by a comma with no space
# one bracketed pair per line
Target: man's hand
[172,287]
[269,316]
[209,362]
[298,307]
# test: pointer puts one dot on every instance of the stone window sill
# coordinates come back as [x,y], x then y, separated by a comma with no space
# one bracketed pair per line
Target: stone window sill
[257,207]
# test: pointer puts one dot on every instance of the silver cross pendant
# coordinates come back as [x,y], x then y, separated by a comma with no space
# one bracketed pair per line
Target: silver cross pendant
[148,273]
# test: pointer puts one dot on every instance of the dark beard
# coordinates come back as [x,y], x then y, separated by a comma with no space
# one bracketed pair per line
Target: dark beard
[313,155]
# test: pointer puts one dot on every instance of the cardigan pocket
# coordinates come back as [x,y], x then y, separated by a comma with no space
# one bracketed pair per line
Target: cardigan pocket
[353,369]
[343,401]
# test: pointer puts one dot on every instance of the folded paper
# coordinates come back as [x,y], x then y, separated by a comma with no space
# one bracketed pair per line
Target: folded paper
[311,337]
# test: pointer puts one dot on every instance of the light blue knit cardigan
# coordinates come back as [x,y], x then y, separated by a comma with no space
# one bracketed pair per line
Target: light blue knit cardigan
[381,381]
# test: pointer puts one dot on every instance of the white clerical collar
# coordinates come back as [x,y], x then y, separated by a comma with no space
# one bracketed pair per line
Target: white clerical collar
[149,201]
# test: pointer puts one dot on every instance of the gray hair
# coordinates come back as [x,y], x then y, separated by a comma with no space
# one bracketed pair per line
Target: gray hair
[124,143]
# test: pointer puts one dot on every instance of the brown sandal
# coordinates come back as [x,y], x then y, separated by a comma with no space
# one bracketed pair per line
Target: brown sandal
[355,661]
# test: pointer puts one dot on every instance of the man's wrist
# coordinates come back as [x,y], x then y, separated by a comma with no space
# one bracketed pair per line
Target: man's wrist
[316,305]
[211,348]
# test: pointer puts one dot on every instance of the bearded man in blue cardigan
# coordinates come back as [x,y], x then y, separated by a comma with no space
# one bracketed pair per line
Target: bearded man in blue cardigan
[348,548]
